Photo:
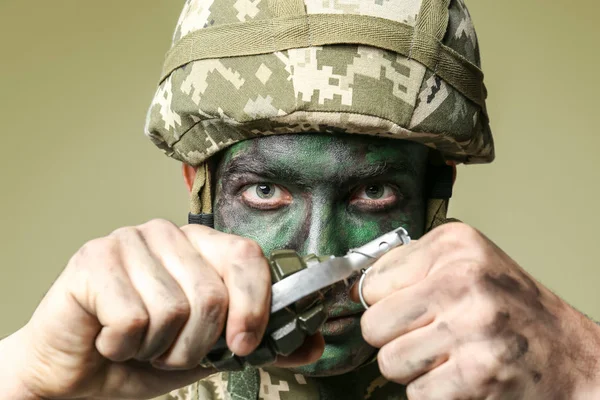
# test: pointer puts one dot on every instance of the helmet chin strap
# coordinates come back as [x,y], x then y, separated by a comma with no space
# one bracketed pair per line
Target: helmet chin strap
[439,182]
[440,179]
[201,198]
[436,214]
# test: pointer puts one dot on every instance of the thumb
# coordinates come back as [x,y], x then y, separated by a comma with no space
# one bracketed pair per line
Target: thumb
[145,381]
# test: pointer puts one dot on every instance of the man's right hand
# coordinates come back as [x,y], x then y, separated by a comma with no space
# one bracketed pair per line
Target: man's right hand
[133,313]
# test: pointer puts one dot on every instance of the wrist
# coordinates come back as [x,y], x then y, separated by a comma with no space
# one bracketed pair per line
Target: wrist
[586,358]
[588,386]
[12,384]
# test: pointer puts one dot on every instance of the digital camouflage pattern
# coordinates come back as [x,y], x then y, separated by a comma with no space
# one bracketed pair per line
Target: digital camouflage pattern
[278,384]
[207,105]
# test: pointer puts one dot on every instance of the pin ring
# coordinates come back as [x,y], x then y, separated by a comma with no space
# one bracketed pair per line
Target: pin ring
[360,288]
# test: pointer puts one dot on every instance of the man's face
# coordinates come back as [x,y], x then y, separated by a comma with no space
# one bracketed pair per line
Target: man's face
[323,195]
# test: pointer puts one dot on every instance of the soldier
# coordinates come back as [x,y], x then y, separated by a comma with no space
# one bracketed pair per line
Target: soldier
[314,126]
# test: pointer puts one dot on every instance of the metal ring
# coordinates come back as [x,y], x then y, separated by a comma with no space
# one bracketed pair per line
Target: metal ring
[360,288]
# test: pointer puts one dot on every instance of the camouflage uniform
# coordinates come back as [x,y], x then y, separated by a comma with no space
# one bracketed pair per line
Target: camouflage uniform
[279,384]
[242,69]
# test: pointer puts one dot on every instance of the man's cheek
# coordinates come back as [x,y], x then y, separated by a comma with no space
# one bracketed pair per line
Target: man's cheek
[272,230]
[362,230]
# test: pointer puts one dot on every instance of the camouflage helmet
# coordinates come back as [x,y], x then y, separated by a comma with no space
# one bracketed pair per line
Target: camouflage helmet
[242,69]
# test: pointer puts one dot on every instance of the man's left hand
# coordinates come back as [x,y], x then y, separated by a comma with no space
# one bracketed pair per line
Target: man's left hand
[455,317]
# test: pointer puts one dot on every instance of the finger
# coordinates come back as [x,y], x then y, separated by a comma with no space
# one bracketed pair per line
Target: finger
[398,314]
[470,372]
[396,270]
[143,381]
[412,355]
[407,265]
[310,351]
[245,271]
[205,292]
[441,383]
[103,288]
[164,299]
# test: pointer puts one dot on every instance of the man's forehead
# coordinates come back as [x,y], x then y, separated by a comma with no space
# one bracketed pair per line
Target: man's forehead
[334,156]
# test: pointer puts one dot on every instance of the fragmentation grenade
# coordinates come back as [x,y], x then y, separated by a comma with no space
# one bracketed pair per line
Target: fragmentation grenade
[286,329]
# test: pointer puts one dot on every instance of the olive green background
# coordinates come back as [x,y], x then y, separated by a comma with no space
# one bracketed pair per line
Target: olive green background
[77,76]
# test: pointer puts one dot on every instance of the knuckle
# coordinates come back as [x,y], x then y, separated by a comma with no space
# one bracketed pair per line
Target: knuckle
[367,329]
[124,232]
[195,228]
[486,370]
[135,321]
[177,361]
[478,253]
[486,312]
[251,320]
[182,362]
[185,364]
[463,230]
[415,391]
[459,234]
[385,360]
[102,248]
[196,231]
[464,277]
[469,272]
[213,304]
[167,230]
[101,245]
[158,224]
[245,248]
[176,311]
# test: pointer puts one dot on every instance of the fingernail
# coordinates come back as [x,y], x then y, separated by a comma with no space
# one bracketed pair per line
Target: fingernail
[243,341]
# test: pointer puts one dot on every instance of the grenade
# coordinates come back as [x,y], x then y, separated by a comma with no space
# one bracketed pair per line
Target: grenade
[287,329]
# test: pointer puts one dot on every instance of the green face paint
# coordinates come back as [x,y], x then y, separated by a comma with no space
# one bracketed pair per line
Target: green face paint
[322,194]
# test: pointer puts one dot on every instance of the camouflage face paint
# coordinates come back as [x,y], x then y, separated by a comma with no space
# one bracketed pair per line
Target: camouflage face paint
[322,194]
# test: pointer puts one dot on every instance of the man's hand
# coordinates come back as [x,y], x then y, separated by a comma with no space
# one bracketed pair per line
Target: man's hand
[456,318]
[133,313]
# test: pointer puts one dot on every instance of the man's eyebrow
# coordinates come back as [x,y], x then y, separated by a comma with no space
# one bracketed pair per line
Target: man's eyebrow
[378,169]
[251,165]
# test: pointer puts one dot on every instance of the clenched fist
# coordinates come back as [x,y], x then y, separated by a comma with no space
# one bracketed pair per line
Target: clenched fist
[456,318]
[133,314]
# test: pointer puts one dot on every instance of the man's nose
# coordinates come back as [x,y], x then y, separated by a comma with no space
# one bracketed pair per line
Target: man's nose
[324,234]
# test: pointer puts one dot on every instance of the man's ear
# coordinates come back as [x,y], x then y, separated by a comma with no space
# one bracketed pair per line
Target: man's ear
[189,175]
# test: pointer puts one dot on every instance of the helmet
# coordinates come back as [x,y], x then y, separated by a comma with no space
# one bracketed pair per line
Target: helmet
[241,69]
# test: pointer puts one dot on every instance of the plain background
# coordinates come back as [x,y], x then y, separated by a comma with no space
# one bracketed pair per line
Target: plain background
[76,78]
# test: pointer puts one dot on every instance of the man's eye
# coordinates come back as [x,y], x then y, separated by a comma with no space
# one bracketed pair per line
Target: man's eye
[375,192]
[375,196]
[266,196]
[265,191]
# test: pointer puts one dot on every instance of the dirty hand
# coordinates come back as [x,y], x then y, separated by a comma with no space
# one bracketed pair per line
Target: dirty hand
[133,313]
[454,318]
